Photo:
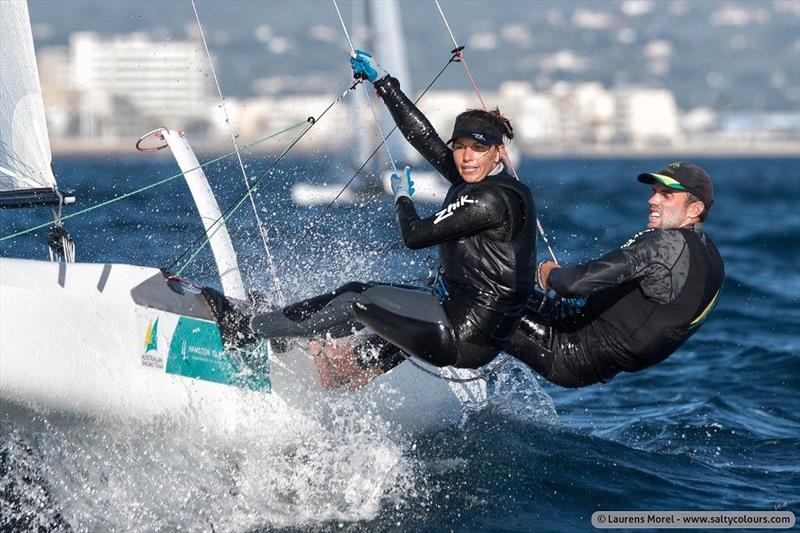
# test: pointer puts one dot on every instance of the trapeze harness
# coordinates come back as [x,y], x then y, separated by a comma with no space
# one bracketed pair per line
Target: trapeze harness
[642,302]
[486,237]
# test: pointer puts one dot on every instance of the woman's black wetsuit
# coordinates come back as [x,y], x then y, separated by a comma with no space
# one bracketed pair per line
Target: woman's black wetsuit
[486,236]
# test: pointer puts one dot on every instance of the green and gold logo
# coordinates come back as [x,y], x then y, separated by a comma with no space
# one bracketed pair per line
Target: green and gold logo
[151,337]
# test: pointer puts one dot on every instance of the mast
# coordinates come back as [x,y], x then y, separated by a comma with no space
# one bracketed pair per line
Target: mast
[26,177]
[213,222]
[389,41]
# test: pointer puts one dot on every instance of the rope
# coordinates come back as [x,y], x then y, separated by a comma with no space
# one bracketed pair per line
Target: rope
[147,187]
[261,231]
[307,232]
[347,184]
[459,51]
[233,208]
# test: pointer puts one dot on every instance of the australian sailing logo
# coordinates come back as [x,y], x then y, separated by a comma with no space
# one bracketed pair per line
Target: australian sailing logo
[150,357]
[450,210]
[151,337]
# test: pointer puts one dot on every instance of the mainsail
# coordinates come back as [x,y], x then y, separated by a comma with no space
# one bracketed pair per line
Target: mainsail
[25,174]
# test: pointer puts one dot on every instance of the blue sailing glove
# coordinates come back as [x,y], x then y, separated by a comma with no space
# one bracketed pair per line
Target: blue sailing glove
[364,66]
[403,186]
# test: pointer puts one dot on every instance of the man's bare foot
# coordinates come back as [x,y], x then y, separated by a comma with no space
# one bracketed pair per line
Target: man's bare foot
[337,365]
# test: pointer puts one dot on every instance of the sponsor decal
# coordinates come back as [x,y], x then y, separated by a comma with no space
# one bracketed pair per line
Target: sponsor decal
[197,351]
[479,136]
[151,358]
[151,337]
[450,210]
[633,239]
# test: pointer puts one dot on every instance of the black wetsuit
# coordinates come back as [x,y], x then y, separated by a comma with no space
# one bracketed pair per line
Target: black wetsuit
[643,301]
[486,237]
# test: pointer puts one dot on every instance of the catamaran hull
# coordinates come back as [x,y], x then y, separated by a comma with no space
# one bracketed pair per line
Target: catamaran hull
[114,340]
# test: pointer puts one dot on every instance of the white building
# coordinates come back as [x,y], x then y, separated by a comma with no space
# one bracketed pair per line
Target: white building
[141,78]
[647,117]
[60,99]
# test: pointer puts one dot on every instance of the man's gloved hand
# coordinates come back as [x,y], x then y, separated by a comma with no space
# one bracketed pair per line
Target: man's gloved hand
[364,66]
[403,186]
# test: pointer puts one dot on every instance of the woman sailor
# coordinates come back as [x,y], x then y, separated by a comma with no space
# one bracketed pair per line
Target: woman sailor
[486,236]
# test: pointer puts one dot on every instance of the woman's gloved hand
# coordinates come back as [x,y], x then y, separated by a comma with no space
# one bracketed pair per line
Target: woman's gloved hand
[364,66]
[403,186]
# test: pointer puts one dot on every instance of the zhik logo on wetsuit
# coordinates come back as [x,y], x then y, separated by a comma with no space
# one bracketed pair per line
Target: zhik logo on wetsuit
[633,239]
[450,210]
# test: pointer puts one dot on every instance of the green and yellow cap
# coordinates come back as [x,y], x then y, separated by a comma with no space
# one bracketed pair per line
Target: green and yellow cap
[686,177]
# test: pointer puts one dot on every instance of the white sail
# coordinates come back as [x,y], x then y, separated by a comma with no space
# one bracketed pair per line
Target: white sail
[24,146]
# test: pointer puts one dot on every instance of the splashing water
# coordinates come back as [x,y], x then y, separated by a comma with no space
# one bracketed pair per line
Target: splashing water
[715,425]
[288,470]
[284,468]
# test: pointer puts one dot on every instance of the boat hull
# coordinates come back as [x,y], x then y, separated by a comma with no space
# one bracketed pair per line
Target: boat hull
[115,340]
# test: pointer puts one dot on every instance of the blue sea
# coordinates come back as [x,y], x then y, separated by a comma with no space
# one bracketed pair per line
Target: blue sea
[714,427]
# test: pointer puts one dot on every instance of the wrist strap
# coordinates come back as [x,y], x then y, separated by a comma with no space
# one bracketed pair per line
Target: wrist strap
[538,275]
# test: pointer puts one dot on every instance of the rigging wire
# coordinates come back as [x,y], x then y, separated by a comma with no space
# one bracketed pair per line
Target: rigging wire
[366,92]
[326,210]
[459,50]
[150,186]
[261,229]
[60,245]
[235,206]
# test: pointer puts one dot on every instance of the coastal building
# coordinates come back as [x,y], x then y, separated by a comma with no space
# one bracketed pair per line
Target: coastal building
[646,117]
[110,90]
[131,80]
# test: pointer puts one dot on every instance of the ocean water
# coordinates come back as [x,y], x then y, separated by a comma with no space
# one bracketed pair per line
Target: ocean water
[715,427]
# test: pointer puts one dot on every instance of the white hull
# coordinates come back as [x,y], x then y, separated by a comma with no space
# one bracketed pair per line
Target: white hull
[311,194]
[73,339]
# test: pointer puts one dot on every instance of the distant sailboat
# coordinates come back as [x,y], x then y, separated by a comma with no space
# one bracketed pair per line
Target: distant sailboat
[379,25]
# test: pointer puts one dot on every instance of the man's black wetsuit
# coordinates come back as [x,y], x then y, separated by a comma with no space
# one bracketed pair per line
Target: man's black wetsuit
[642,302]
[486,236]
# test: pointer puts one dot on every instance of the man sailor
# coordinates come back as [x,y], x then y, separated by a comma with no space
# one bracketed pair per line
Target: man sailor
[642,301]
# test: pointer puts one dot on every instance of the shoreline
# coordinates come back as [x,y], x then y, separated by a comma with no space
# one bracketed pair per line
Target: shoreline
[120,148]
